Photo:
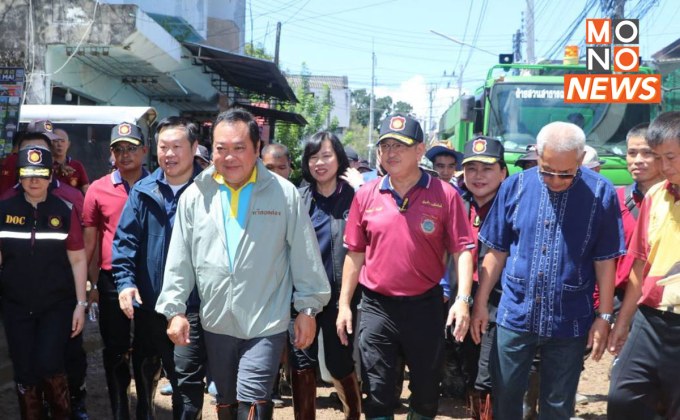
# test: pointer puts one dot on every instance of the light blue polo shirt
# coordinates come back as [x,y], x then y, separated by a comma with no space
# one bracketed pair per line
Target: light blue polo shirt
[235,204]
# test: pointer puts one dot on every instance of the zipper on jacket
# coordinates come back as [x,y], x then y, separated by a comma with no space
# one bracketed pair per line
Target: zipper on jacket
[33,229]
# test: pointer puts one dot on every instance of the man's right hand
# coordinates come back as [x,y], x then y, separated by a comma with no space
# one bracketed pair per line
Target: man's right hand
[618,336]
[125,298]
[480,321]
[344,324]
[178,330]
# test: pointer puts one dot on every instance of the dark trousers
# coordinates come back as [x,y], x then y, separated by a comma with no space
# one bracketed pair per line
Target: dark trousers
[244,369]
[190,369]
[646,371]
[412,327]
[37,341]
[114,326]
[153,349]
[76,365]
[483,381]
[338,357]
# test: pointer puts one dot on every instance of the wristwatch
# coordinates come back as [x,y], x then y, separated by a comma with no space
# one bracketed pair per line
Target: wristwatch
[607,317]
[309,312]
[465,298]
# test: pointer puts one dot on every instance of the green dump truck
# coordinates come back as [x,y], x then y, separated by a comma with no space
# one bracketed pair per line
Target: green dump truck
[518,99]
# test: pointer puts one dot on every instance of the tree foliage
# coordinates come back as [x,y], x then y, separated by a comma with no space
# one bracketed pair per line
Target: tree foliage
[403,107]
[382,107]
[357,133]
[257,51]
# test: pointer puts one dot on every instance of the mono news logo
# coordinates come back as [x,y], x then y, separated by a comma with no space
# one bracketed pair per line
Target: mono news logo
[613,57]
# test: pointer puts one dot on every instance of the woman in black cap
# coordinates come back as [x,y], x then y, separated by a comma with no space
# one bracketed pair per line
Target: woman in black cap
[43,285]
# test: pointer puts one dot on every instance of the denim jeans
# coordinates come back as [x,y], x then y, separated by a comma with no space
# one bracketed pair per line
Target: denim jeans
[561,364]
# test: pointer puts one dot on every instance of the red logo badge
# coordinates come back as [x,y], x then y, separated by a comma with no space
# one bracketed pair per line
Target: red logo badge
[397,123]
[479,146]
[35,156]
[124,129]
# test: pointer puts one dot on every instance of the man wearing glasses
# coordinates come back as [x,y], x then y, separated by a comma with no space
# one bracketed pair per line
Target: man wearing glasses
[398,232]
[554,231]
[104,202]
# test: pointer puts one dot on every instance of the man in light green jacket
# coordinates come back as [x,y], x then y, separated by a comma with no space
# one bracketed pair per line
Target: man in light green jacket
[244,238]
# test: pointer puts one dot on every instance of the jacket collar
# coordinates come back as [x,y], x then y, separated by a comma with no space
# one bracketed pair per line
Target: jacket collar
[205,182]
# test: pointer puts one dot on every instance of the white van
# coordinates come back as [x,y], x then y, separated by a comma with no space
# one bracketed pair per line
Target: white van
[89,129]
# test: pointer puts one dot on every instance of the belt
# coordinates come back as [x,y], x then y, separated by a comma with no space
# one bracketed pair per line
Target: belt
[669,312]
[435,291]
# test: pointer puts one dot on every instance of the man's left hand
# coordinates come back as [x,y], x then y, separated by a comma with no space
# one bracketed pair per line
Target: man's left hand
[597,338]
[305,331]
[460,312]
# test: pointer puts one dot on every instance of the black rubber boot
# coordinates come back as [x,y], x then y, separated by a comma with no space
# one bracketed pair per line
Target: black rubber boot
[259,410]
[30,402]
[78,410]
[57,396]
[226,411]
[147,374]
[117,369]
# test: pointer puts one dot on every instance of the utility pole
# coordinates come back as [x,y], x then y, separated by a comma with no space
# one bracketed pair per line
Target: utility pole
[530,32]
[278,43]
[615,9]
[433,89]
[371,105]
[273,102]
[619,7]
[517,46]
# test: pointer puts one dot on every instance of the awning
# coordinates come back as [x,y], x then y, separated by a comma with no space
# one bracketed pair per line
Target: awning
[279,116]
[253,74]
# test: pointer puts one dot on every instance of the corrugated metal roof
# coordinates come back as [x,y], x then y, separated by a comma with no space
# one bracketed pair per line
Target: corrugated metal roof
[318,82]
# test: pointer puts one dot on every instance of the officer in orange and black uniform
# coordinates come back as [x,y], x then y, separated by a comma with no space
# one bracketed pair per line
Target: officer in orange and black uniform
[43,285]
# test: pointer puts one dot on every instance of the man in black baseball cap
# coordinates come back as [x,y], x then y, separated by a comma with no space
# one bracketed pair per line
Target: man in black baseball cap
[127,132]
[529,159]
[402,128]
[42,126]
[352,156]
[405,203]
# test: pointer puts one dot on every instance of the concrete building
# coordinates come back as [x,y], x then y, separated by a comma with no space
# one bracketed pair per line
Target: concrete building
[178,56]
[340,94]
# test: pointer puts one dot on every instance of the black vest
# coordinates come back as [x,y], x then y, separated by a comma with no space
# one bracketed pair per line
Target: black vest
[36,272]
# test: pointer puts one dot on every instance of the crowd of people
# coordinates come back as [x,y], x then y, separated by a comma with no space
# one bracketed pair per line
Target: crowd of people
[214,268]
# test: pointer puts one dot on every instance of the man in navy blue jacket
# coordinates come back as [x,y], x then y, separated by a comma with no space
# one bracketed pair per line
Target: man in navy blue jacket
[139,252]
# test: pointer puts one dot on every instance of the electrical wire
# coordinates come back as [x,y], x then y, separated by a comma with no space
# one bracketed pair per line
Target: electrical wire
[80,42]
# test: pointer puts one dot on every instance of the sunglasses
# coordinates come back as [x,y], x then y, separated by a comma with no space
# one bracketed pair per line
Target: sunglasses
[546,174]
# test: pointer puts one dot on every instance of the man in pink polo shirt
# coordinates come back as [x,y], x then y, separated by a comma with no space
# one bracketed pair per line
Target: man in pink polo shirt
[398,232]
[104,202]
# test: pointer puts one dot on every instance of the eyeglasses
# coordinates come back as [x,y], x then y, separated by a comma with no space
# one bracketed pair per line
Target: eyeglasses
[395,147]
[546,174]
[119,150]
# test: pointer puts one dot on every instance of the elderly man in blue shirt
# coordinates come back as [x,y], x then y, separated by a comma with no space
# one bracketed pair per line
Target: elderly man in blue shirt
[554,232]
